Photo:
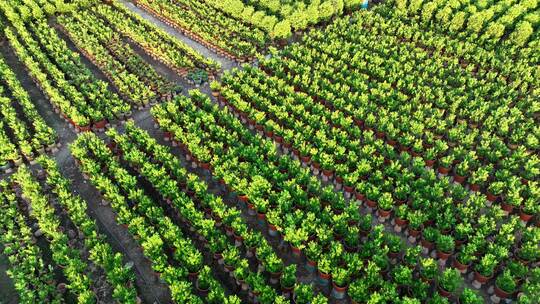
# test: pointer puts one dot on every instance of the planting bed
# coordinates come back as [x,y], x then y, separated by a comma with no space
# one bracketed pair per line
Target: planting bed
[388,155]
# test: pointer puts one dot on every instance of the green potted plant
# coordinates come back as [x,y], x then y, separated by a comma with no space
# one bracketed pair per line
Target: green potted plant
[340,282]
[385,204]
[445,246]
[288,278]
[428,269]
[465,257]
[429,236]
[303,294]
[448,282]
[483,271]
[505,284]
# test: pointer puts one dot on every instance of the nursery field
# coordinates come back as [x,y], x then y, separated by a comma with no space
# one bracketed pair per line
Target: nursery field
[276,151]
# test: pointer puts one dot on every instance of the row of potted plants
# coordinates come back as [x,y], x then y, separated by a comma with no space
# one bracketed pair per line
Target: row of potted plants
[33,279]
[43,137]
[162,46]
[155,232]
[206,25]
[120,277]
[91,39]
[101,102]
[64,255]
[51,91]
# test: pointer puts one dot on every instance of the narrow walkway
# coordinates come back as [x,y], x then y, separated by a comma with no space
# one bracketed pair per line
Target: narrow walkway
[226,64]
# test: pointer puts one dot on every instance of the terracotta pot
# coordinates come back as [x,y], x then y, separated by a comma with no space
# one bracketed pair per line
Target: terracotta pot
[413,232]
[443,170]
[243,198]
[459,179]
[348,189]
[324,276]
[384,213]
[205,165]
[327,173]
[524,216]
[400,222]
[359,196]
[480,278]
[491,197]
[371,204]
[456,264]
[444,293]
[296,251]
[443,255]
[507,207]
[501,293]
[429,162]
[474,187]
[100,124]
[305,159]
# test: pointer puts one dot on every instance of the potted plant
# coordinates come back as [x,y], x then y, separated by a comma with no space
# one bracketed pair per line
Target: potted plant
[505,284]
[303,294]
[465,257]
[448,282]
[395,244]
[495,190]
[324,266]
[288,278]
[313,252]
[529,208]
[385,205]
[483,271]
[400,219]
[445,246]
[445,164]
[241,272]
[340,282]
[203,280]
[429,236]
[428,269]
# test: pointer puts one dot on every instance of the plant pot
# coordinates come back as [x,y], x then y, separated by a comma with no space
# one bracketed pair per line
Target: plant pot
[457,264]
[481,278]
[413,232]
[371,204]
[339,292]
[296,251]
[384,213]
[324,278]
[400,222]
[443,292]
[459,179]
[443,170]
[429,162]
[474,187]
[491,197]
[501,293]
[100,124]
[272,230]
[507,207]
[524,216]
[311,265]
[443,255]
